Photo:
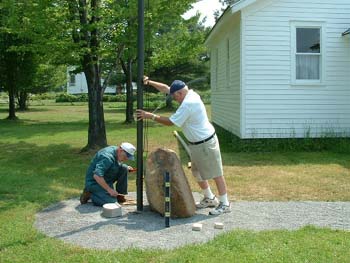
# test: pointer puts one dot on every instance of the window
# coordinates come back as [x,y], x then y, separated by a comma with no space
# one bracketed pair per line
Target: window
[307,53]
[72,80]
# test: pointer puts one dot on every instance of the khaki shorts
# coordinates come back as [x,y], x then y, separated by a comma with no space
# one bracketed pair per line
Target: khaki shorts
[206,160]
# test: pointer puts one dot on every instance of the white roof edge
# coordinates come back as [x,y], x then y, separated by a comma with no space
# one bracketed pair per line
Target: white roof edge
[232,10]
[241,4]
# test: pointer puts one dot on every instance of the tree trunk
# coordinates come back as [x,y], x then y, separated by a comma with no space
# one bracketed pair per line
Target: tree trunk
[22,98]
[88,37]
[12,105]
[129,94]
[97,131]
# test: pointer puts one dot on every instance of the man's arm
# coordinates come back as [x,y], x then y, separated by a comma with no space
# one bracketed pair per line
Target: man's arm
[101,181]
[141,115]
[158,85]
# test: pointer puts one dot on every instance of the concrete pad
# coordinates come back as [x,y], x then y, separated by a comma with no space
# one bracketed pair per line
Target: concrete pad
[83,225]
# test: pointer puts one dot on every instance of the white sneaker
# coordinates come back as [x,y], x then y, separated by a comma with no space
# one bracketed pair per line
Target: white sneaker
[207,202]
[221,209]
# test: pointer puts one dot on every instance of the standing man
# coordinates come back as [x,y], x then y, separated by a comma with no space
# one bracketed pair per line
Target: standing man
[105,169]
[206,162]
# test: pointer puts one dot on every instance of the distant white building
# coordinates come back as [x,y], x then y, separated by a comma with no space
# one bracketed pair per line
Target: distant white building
[281,68]
[77,84]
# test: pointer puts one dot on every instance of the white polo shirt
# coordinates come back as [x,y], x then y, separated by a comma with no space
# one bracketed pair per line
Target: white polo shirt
[192,117]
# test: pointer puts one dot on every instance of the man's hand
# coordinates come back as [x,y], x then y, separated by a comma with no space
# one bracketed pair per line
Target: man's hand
[145,80]
[112,192]
[131,169]
[121,199]
[141,115]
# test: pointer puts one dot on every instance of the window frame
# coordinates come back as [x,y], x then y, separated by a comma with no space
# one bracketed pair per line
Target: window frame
[228,63]
[308,24]
[72,80]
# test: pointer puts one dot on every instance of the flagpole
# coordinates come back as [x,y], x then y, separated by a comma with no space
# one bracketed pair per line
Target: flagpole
[140,73]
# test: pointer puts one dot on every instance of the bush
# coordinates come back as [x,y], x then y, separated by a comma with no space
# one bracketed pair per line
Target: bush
[205,96]
[232,143]
[43,96]
[114,98]
[64,97]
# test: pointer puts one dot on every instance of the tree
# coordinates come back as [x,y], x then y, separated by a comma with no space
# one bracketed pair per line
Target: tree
[17,64]
[46,78]
[95,35]
[180,52]
[225,4]
[17,67]
[158,14]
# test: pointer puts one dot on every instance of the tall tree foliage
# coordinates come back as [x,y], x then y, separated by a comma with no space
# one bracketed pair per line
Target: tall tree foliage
[179,51]
[158,14]
[85,18]
[17,59]
[224,5]
[105,33]
[94,35]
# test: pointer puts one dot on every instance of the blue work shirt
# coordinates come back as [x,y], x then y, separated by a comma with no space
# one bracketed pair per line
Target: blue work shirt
[104,163]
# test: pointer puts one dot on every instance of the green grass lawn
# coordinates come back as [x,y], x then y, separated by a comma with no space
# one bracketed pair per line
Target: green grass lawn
[41,164]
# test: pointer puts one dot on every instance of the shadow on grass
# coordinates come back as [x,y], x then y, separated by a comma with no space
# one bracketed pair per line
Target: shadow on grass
[43,108]
[37,174]
[24,128]
[40,174]
[114,110]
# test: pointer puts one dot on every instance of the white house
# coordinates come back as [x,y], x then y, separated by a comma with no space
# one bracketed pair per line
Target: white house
[77,84]
[281,68]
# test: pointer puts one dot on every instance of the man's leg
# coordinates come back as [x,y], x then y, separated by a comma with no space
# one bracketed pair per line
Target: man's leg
[209,199]
[122,181]
[221,185]
[203,184]
[224,205]
[85,196]
[100,196]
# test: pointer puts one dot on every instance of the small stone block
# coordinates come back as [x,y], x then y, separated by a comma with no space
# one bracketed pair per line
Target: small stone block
[111,210]
[197,227]
[218,225]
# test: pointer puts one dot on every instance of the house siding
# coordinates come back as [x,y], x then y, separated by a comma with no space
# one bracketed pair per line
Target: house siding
[274,107]
[80,85]
[225,78]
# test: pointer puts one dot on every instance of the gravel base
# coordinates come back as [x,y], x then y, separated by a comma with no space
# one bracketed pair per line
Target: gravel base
[84,226]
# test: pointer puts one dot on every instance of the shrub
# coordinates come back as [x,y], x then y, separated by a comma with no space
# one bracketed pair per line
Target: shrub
[64,97]
[43,96]
[232,143]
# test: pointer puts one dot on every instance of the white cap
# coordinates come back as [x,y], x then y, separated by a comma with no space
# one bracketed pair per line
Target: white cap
[129,149]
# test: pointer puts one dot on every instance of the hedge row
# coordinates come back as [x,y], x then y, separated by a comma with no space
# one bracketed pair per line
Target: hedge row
[152,98]
[64,97]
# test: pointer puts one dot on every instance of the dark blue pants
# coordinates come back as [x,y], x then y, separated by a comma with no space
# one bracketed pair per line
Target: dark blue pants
[100,196]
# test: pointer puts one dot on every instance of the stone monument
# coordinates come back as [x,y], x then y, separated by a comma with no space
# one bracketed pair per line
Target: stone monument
[182,201]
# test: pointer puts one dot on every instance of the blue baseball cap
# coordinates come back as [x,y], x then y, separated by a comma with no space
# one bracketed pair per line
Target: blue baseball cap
[176,85]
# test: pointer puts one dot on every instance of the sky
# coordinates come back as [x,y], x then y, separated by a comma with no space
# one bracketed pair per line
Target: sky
[206,8]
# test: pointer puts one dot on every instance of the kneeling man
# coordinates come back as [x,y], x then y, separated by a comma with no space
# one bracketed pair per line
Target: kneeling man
[105,169]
